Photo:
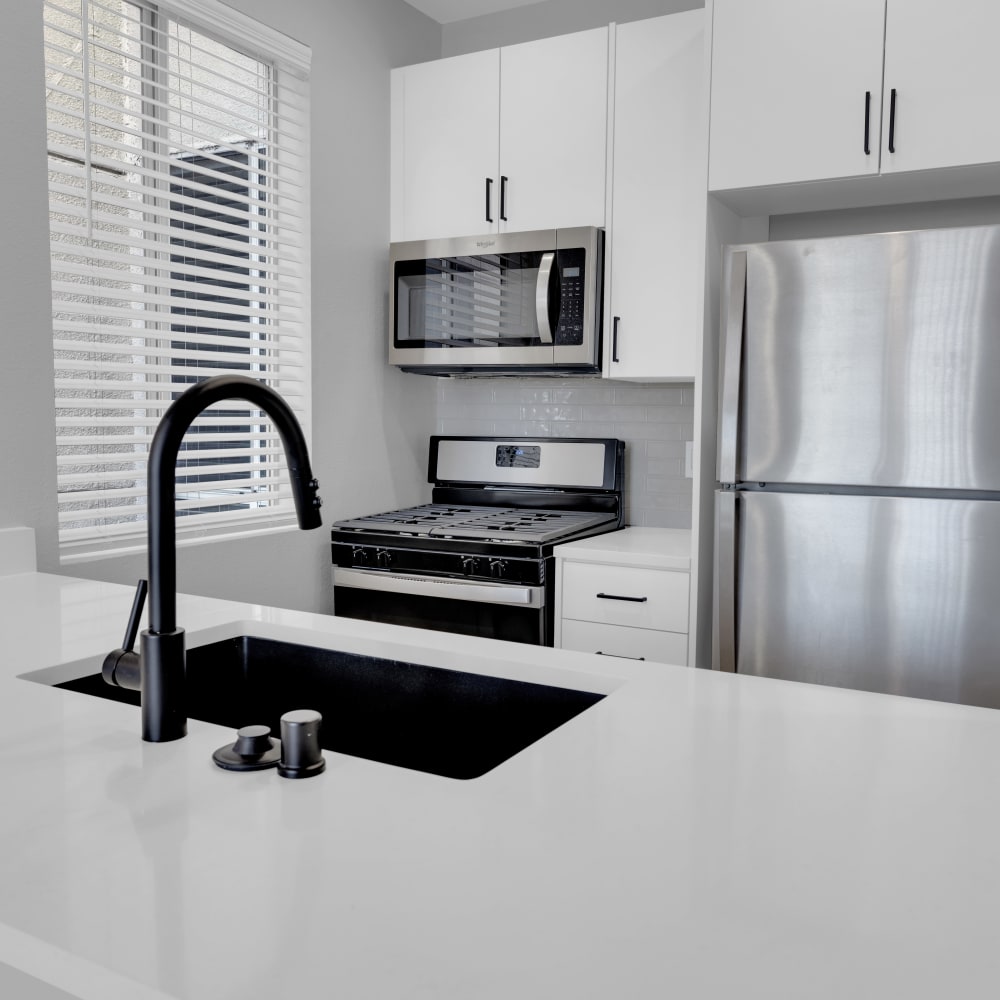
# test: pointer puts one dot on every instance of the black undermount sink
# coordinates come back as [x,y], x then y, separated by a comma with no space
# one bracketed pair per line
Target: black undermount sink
[446,722]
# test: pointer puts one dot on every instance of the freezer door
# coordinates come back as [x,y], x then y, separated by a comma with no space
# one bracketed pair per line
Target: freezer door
[888,594]
[873,361]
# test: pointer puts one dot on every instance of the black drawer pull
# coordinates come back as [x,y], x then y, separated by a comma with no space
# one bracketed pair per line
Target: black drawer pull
[622,597]
[621,656]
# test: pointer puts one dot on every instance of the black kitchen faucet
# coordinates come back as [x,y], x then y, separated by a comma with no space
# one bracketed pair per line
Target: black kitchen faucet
[159,669]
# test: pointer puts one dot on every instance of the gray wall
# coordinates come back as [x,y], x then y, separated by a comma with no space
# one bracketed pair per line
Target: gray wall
[370,423]
[553,17]
[27,436]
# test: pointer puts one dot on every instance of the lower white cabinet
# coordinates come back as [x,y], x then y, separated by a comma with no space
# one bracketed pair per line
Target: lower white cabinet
[626,594]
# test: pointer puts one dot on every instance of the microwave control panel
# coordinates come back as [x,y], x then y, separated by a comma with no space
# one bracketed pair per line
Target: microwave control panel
[572,280]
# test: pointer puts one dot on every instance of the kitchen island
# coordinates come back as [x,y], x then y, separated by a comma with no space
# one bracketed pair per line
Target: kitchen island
[692,835]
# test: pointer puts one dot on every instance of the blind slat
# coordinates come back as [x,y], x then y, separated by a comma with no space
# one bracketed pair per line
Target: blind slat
[129,440]
[93,339]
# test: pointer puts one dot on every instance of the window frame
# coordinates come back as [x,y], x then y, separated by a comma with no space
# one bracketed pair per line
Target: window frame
[286,59]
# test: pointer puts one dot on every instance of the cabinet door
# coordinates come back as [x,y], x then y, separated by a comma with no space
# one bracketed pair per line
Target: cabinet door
[657,225]
[445,144]
[942,63]
[553,131]
[789,85]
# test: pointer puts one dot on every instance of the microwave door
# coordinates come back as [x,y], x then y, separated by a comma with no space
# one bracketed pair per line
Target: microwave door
[475,310]
[497,303]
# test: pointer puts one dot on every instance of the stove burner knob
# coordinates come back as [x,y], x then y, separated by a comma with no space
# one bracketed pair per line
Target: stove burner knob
[359,556]
[468,565]
[498,567]
[383,558]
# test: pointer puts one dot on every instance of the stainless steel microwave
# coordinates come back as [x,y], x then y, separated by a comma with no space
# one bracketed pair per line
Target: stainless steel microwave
[505,303]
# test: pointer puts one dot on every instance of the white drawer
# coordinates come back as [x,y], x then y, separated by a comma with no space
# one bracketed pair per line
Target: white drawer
[626,595]
[616,640]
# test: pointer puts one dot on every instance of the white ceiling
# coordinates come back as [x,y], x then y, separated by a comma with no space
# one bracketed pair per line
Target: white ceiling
[446,11]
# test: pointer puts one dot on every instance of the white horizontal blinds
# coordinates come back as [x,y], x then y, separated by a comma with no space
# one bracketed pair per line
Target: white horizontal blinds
[178,181]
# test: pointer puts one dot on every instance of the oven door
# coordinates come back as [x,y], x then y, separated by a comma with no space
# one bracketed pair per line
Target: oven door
[510,611]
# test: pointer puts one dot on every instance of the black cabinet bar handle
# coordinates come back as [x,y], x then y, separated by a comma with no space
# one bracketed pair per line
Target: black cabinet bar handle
[892,120]
[868,118]
[489,198]
[614,340]
[621,597]
[621,656]
[503,198]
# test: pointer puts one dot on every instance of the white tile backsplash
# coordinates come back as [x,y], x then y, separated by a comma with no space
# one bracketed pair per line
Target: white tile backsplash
[654,421]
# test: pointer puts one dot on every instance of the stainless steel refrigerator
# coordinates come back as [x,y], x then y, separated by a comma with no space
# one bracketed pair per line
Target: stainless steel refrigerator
[858,503]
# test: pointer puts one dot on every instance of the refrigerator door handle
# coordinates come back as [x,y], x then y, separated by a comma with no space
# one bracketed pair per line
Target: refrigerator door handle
[724,586]
[731,363]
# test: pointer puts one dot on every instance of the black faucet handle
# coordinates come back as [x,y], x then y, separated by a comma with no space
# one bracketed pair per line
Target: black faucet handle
[132,629]
[121,666]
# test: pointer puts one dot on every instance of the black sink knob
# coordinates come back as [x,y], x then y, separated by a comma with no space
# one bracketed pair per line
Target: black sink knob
[253,750]
[300,750]
[252,741]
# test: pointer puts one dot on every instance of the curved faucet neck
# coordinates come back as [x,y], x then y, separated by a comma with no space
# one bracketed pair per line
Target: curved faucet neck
[161,473]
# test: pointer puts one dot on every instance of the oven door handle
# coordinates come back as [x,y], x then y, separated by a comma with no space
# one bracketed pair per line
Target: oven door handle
[435,586]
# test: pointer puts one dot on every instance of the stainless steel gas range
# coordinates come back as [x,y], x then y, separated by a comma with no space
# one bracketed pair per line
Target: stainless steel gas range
[478,558]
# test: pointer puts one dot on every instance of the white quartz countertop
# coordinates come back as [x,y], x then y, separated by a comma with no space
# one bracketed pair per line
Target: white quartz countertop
[651,548]
[693,835]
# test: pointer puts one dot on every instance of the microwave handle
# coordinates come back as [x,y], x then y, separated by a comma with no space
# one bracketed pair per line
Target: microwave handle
[542,297]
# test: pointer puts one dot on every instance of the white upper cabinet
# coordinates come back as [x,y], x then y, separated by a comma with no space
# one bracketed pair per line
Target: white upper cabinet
[793,82]
[657,228]
[445,146]
[508,139]
[810,91]
[553,131]
[942,63]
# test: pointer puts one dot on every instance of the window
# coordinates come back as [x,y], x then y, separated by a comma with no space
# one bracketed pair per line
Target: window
[178,200]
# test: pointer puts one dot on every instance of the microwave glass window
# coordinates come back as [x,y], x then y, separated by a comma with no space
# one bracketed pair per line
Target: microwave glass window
[487,300]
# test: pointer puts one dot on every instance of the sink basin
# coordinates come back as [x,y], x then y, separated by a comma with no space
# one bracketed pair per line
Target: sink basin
[446,722]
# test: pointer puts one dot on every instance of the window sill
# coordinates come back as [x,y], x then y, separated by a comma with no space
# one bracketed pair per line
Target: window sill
[94,551]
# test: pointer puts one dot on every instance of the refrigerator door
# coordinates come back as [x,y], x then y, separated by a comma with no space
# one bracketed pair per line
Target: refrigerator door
[872,361]
[888,594]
